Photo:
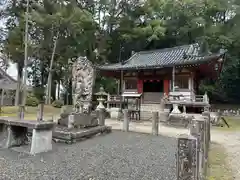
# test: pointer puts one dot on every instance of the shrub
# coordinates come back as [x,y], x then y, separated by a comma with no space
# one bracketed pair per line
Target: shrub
[32,101]
[57,103]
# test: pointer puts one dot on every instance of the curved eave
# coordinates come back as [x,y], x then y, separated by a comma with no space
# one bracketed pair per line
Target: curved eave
[145,67]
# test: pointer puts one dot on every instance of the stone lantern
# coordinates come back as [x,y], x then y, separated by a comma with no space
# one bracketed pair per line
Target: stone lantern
[101,98]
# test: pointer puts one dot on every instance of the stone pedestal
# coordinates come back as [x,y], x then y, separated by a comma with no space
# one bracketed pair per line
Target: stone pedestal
[101,113]
[78,120]
[41,141]
[115,113]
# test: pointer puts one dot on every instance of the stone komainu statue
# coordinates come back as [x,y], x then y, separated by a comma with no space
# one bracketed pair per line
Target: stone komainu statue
[83,79]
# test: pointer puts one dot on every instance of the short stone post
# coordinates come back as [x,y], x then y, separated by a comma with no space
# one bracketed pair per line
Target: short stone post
[195,131]
[155,118]
[21,112]
[207,138]
[201,136]
[186,157]
[206,114]
[125,120]
[40,111]
[101,116]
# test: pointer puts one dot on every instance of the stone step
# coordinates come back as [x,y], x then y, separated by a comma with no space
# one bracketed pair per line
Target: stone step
[146,115]
[150,107]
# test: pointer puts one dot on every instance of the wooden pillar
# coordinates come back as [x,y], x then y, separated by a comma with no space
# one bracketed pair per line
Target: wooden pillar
[2,99]
[173,79]
[196,82]
[118,83]
[166,86]
[121,82]
[140,86]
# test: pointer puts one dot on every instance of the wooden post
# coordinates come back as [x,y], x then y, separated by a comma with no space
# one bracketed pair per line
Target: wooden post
[125,120]
[21,112]
[173,79]
[108,100]
[155,123]
[2,99]
[40,111]
[184,109]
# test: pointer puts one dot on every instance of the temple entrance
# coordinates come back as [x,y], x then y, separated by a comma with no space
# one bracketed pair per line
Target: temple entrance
[152,91]
[153,86]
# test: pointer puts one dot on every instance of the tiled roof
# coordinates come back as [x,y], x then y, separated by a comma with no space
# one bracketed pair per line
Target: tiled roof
[180,55]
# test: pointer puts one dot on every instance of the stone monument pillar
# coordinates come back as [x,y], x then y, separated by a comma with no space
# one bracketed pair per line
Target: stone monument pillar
[83,79]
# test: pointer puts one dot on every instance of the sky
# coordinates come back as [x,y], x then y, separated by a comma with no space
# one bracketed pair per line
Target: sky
[12,70]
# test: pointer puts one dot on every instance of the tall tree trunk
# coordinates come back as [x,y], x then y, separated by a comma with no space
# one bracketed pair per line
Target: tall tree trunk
[19,83]
[24,82]
[53,91]
[58,90]
[49,83]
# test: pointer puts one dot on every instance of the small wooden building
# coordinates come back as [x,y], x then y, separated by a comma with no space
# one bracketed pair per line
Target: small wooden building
[153,73]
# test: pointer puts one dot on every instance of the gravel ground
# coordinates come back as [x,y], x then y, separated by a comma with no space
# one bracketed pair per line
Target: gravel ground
[118,155]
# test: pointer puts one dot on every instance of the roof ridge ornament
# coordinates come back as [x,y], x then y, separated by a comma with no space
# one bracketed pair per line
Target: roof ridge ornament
[204,48]
[191,51]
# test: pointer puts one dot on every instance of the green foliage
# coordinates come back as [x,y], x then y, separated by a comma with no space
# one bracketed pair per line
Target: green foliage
[98,29]
[57,103]
[39,92]
[32,101]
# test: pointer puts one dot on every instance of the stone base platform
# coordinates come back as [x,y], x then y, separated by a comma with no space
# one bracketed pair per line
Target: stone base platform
[63,134]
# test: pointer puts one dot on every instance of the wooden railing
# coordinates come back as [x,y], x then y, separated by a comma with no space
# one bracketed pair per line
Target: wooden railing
[189,98]
[115,100]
